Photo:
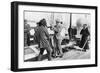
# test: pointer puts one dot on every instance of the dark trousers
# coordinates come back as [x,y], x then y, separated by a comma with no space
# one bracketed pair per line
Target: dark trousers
[49,51]
[84,43]
[28,39]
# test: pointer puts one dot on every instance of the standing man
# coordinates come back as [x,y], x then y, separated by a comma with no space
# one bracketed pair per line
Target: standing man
[26,33]
[43,39]
[58,38]
[85,36]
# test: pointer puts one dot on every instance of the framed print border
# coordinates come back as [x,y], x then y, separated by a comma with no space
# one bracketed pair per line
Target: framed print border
[14,35]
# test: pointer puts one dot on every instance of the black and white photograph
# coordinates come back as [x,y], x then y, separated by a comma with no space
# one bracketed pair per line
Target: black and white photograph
[53,36]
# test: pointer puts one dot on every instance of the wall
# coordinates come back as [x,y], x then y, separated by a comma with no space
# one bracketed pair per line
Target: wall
[5,28]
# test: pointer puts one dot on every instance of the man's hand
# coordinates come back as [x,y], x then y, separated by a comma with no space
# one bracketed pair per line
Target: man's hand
[88,38]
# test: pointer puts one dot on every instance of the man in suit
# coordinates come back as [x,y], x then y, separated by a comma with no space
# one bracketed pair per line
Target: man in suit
[26,33]
[58,38]
[85,35]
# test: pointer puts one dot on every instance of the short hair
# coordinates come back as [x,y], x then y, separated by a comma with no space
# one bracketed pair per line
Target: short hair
[85,24]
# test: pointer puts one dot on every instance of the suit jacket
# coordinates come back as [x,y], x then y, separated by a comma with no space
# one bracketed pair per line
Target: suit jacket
[58,28]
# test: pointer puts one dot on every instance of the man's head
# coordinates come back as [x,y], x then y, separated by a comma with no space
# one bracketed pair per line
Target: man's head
[25,21]
[84,26]
[58,21]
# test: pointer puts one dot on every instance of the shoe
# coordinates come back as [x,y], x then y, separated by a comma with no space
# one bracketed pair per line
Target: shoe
[60,55]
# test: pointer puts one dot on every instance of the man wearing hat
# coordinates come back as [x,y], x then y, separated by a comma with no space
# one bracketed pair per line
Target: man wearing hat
[58,38]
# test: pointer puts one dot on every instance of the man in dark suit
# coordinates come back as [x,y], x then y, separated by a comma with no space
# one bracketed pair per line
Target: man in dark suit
[84,40]
[26,33]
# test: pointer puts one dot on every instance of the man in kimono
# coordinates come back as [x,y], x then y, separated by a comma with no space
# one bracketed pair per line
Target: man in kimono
[85,36]
[43,39]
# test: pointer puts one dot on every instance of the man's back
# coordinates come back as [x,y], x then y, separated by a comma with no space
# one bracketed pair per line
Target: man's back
[43,37]
[43,33]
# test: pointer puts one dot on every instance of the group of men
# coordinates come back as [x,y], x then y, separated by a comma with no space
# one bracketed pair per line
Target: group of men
[42,38]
